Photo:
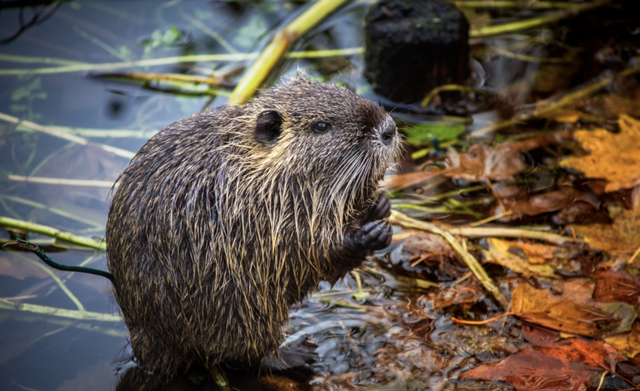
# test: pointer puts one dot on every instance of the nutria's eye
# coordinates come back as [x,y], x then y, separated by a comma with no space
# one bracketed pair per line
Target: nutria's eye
[321,127]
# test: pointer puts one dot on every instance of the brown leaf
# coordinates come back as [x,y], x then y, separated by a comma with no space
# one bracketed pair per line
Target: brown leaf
[539,203]
[613,157]
[621,238]
[573,364]
[617,286]
[627,343]
[332,382]
[468,292]
[568,307]
[402,181]
[424,246]
[499,163]
[499,253]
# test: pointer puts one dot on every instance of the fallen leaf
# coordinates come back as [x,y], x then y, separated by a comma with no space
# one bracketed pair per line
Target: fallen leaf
[627,343]
[402,181]
[538,203]
[573,364]
[568,307]
[620,238]
[499,253]
[617,286]
[468,292]
[499,163]
[613,157]
[581,212]
[424,246]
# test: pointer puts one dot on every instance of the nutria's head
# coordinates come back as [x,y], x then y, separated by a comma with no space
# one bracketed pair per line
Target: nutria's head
[341,143]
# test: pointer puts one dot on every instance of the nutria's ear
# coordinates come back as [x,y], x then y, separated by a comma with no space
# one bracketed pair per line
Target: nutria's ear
[268,128]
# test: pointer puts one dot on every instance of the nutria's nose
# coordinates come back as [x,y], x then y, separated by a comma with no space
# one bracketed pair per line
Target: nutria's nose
[388,132]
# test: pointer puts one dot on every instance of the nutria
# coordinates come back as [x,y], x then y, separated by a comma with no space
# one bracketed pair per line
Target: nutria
[226,218]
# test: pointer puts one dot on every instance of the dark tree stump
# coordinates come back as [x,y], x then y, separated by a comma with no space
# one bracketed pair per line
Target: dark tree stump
[413,46]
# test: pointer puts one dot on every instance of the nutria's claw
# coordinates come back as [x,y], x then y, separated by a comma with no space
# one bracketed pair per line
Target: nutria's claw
[380,210]
[374,235]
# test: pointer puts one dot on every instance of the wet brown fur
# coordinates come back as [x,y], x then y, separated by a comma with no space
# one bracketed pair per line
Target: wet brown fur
[213,235]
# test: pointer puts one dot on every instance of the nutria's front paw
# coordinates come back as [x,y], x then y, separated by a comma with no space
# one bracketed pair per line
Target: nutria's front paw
[380,210]
[375,235]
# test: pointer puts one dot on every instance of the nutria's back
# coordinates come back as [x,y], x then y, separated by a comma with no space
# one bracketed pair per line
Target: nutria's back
[227,217]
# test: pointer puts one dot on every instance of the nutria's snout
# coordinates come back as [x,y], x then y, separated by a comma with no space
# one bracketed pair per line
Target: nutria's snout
[387,131]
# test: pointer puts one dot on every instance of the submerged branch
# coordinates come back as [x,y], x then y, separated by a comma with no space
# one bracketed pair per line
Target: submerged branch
[147,77]
[83,67]
[53,232]
[55,278]
[61,181]
[24,245]
[66,136]
[60,312]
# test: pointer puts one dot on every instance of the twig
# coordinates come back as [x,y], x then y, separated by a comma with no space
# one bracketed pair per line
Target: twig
[509,233]
[473,265]
[144,76]
[18,297]
[495,194]
[513,4]
[534,22]
[103,133]
[279,44]
[35,20]
[61,181]
[60,312]
[527,58]
[55,278]
[482,322]
[36,60]
[66,136]
[51,209]
[450,87]
[22,244]
[604,374]
[633,257]
[50,231]
[489,219]
[24,316]
[83,67]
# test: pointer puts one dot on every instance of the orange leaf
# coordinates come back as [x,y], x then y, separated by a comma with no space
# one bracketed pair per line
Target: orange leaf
[568,307]
[613,157]
[573,364]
